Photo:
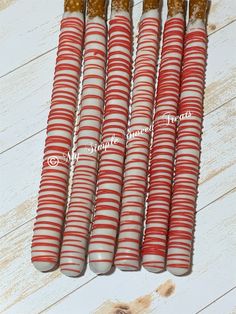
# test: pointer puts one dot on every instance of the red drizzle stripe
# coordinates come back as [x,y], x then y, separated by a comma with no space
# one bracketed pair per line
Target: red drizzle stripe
[107,206]
[78,218]
[162,152]
[187,153]
[136,163]
[55,172]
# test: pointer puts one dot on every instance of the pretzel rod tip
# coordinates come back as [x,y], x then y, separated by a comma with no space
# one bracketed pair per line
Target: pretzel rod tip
[175,7]
[150,5]
[74,6]
[121,5]
[96,8]
[198,9]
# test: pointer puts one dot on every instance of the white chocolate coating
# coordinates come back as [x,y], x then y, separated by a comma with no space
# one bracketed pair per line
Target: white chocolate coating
[54,181]
[137,151]
[76,232]
[107,206]
[163,148]
[187,151]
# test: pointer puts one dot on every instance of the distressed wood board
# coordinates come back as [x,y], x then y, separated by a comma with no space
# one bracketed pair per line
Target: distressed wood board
[29,33]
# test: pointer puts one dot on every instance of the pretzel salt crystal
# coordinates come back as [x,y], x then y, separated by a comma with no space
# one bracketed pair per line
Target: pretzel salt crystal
[54,180]
[137,151]
[107,205]
[188,142]
[76,232]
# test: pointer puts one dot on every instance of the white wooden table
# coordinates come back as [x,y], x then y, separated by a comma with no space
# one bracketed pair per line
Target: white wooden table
[28,38]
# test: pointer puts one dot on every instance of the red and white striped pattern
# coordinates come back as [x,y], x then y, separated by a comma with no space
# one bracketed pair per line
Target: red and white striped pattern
[54,181]
[137,152]
[107,207]
[162,152]
[75,241]
[187,150]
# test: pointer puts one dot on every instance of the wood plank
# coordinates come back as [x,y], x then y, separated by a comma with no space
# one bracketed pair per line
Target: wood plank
[34,24]
[28,291]
[28,29]
[18,205]
[31,28]
[35,79]
[224,304]
[15,263]
[217,160]
[21,169]
[213,272]
[20,201]
[36,82]
[31,290]
[21,283]
[219,14]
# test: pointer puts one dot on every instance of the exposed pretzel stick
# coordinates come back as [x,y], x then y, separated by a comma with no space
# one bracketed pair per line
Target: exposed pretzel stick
[198,9]
[120,5]
[74,6]
[175,7]
[150,5]
[96,8]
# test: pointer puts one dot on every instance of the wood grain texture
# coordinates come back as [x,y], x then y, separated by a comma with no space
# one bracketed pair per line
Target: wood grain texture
[35,79]
[17,208]
[29,28]
[215,183]
[192,292]
[24,288]
[29,35]
[224,304]
[39,31]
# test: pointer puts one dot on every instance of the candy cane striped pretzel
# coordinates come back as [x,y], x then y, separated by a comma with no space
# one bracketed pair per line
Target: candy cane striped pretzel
[54,181]
[107,205]
[75,241]
[163,148]
[137,151]
[188,142]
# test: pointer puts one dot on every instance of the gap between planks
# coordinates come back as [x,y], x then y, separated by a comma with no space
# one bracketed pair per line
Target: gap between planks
[217,299]
[198,215]
[66,295]
[201,310]
[50,50]
[54,48]
[45,53]
[41,130]
[220,14]
[44,129]
[200,209]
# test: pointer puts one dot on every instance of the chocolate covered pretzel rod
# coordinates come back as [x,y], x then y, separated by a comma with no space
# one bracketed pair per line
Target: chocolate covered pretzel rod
[107,207]
[164,135]
[188,142]
[54,181]
[75,241]
[137,151]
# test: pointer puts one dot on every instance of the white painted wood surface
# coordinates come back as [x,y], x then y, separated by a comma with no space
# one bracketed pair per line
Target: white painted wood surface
[28,36]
